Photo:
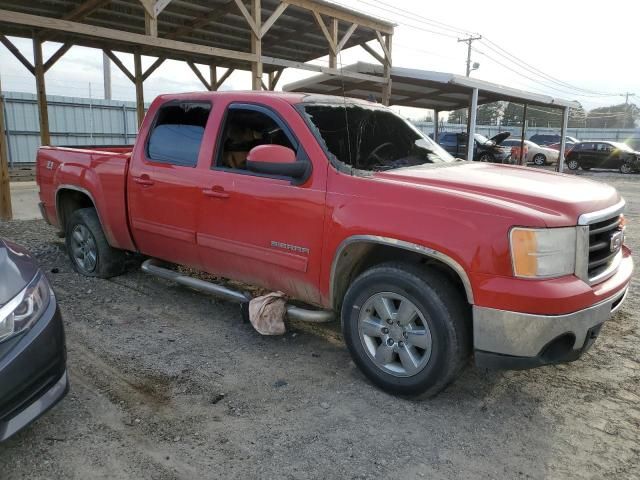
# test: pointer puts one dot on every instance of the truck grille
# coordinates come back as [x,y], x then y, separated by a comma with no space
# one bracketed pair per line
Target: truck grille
[603,252]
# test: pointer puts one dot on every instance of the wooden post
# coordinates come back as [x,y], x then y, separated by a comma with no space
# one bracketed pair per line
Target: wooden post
[386,89]
[45,138]
[6,213]
[213,77]
[333,54]
[436,125]
[256,46]
[137,61]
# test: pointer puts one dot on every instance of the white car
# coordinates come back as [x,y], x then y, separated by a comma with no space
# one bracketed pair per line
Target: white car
[535,153]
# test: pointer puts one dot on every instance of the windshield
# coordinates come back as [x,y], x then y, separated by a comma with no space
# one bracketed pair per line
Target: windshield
[622,146]
[372,138]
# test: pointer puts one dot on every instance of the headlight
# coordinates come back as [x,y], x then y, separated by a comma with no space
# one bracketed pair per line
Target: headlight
[544,252]
[24,309]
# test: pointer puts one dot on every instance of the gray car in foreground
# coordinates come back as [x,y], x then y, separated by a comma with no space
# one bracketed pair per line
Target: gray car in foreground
[33,373]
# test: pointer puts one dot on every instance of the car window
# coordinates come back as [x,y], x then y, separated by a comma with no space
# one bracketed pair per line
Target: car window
[588,146]
[246,127]
[604,147]
[177,133]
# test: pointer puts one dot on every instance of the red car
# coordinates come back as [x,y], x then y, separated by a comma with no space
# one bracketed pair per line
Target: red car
[345,206]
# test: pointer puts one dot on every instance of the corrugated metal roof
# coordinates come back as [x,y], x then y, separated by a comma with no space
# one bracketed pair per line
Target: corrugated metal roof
[422,89]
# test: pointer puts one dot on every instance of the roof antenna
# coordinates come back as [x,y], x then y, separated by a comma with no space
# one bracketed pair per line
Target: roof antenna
[346,116]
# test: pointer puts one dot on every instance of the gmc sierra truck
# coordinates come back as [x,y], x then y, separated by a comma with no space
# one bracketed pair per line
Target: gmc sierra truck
[353,213]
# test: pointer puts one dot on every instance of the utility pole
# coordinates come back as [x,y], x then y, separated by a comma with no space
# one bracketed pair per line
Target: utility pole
[626,97]
[468,41]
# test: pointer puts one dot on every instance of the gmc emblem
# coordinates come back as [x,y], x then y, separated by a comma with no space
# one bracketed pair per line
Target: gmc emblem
[616,242]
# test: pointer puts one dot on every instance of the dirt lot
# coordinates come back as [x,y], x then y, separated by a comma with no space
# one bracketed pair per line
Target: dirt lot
[167,383]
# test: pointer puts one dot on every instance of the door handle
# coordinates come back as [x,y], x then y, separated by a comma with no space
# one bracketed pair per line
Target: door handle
[216,192]
[143,180]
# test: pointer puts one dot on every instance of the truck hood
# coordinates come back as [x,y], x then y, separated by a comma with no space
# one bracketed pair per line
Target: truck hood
[562,198]
[17,269]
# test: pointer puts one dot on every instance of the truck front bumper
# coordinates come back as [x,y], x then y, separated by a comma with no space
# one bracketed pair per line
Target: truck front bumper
[513,340]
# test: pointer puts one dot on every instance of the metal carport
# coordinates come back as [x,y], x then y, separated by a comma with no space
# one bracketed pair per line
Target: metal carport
[438,91]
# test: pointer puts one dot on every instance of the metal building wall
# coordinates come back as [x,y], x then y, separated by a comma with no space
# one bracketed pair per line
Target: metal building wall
[73,121]
[84,121]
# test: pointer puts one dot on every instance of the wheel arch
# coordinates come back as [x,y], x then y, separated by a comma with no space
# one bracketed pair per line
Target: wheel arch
[358,252]
[70,198]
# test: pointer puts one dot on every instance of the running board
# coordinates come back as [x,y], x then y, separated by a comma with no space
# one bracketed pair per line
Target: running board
[157,268]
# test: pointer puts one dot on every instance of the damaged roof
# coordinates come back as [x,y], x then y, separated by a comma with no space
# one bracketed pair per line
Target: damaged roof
[422,89]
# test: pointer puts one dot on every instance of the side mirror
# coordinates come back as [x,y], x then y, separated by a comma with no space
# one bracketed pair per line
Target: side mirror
[275,160]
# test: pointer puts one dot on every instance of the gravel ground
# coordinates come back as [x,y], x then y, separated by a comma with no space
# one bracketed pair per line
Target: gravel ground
[167,383]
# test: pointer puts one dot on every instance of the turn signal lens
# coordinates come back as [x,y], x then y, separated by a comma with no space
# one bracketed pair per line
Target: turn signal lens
[544,252]
[523,251]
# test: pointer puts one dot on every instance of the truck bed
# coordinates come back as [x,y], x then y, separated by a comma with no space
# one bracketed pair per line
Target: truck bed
[99,172]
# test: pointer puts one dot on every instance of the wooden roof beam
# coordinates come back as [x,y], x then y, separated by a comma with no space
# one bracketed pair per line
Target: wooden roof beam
[76,28]
[85,9]
[199,22]
[341,14]
[16,53]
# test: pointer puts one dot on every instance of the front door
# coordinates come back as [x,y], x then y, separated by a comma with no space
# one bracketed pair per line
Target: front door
[260,229]
[163,183]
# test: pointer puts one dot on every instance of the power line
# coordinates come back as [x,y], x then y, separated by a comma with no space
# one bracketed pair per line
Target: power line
[497,50]
[505,54]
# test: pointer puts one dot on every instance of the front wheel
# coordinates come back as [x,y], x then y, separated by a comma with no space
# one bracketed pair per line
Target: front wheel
[89,251]
[540,160]
[485,157]
[573,164]
[407,329]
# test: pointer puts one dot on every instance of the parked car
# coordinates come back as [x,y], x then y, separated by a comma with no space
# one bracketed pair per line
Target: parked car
[485,149]
[534,153]
[545,139]
[567,147]
[609,155]
[423,257]
[33,374]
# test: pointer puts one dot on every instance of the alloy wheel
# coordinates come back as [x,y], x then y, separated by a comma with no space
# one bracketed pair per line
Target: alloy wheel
[395,334]
[83,246]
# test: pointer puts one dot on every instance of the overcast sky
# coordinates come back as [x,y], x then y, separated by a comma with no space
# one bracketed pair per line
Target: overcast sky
[590,48]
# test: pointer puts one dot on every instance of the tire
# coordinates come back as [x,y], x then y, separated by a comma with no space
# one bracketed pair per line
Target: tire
[441,328]
[540,160]
[89,251]
[485,157]
[573,164]
[626,168]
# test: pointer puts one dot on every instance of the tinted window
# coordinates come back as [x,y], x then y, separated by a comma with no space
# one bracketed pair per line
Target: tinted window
[246,128]
[177,133]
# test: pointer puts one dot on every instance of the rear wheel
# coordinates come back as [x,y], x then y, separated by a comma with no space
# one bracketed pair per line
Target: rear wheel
[573,164]
[626,168]
[406,328]
[540,160]
[88,249]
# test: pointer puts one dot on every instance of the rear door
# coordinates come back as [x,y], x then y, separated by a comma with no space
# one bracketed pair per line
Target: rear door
[163,183]
[588,155]
[261,229]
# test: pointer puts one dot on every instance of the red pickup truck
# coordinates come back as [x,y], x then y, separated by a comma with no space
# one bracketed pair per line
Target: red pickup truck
[347,208]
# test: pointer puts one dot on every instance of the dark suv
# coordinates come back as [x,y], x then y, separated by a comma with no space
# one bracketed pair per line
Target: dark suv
[33,373]
[485,150]
[610,155]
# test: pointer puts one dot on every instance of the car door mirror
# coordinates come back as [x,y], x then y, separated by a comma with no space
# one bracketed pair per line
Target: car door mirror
[275,160]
